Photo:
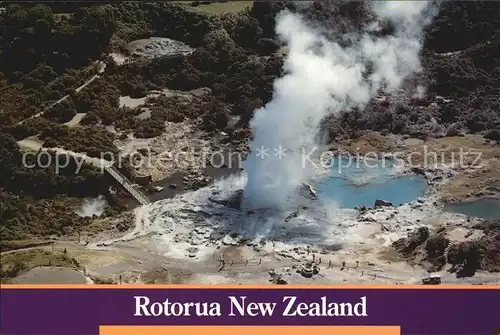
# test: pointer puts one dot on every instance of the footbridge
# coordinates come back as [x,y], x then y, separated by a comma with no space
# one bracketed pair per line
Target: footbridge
[125,182]
[102,164]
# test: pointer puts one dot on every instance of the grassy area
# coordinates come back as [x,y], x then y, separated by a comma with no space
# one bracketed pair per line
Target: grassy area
[13,264]
[165,276]
[449,146]
[447,150]
[218,7]
[21,244]
[370,143]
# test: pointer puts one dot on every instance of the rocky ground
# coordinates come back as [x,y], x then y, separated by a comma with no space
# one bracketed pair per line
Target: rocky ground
[184,157]
[469,161]
[204,237]
[158,46]
[200,235]
[178,149]
[151,48]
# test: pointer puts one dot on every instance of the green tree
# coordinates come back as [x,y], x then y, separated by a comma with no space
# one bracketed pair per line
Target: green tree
[40,12]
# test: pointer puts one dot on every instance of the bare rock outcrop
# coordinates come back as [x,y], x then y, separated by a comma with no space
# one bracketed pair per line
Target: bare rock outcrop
[480,254]
[408,245]
[434,250]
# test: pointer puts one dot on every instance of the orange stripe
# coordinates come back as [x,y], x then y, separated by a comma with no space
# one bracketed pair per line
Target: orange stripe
[260,287]
[249,330]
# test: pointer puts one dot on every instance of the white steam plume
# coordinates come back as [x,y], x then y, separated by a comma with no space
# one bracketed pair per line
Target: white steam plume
[91,207]
[324,78]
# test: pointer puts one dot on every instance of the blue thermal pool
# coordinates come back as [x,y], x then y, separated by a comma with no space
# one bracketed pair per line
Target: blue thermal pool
[360,183]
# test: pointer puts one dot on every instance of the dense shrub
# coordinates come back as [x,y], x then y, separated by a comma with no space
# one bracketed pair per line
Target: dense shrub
[493,135]
[62,112]
[93,141]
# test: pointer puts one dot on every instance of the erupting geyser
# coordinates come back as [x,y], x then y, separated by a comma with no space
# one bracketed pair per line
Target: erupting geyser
[322,78]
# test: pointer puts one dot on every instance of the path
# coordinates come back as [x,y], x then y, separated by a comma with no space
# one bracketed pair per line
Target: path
[48,245]
[102,68]
[33,144]
[52,275]
[104,165]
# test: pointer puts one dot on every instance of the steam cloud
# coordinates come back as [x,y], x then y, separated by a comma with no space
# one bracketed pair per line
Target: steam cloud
[91,207]
[322,78]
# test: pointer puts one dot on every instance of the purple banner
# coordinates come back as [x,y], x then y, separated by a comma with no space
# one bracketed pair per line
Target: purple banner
[417,311]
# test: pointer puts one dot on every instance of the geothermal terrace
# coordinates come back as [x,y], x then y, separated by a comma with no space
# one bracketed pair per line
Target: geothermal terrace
[300,209]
